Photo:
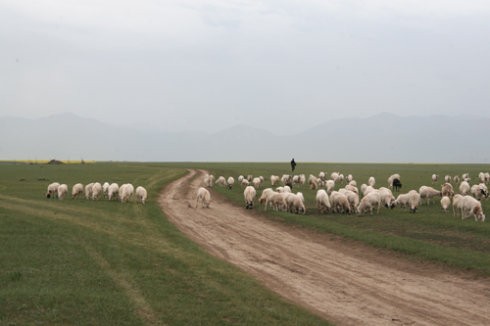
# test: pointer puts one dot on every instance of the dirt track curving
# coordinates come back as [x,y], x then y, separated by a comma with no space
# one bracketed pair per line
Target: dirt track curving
[346,283]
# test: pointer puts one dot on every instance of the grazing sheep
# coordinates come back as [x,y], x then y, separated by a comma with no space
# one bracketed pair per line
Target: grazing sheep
[456,179]
[76,190]
[481,177]
[445,203]
[369,202]
[250,177]
[414,200]
[322,175]
[274,179]
[249,195]
[479,191]
[296,203]
[125,192]
[244,183]
[457,203]
[287,180]
[266,196]
[284,189]
[339,202]
[472,207]
[353,183]
[434,178]
[447,190]
[403,200]
[230,181]
[221,181]
[350,177]
[448,178]
[256,182]
[52,190]
[96,191]
[387,198]
[330,184]
[313,182]
[208,180]
[105,189]
[322,201]
[88,190]
[204,197]
[366,189]
[464,188]
[352,188]
[240,178]
[466,177]
[62,191]
[334,176]
[278,201]
[113,191]
[352,197]
[140,194]
[371,181]
[427,193]
[392,178]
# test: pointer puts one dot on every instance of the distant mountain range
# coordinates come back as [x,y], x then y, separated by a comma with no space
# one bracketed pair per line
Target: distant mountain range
[380,138]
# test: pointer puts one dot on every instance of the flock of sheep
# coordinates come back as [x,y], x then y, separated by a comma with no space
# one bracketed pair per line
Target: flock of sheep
[96,191]
[349,198]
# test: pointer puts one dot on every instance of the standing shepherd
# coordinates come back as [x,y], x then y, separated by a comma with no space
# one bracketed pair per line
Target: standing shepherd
[293,165]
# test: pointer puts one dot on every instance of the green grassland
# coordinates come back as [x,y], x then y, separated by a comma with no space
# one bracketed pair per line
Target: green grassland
[103,263]
[79,262]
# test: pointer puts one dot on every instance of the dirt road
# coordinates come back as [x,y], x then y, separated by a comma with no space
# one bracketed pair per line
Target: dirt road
[346,283]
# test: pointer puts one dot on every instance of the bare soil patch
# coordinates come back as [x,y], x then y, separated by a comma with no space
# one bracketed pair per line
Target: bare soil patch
[346,283]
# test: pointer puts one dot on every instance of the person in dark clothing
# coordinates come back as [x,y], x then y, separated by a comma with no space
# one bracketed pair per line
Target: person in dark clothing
[293,165]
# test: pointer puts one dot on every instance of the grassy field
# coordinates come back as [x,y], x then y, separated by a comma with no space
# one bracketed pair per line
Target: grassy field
[79,262]
[430,234]
[86,262]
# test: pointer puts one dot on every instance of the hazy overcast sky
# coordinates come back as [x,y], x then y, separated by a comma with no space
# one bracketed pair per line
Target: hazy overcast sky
[283,65]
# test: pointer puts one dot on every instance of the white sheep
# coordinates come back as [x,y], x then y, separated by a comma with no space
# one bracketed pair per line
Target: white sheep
[445,203]
[330,184]
[249,195]
[113,190]
[464,188]
[447,190]
[203,196]
[76,190]
[387,198]
[339,202]
[456,179]
[88,190]
[62,191]
[208,180]
[274,179]
[141,194]
[479,191]
[428,193]
[457,203]
[322,201]
[125,192]
[256,182]
[244,182]
[96,191]
[414,200]
[240,178]
[278,201]
[265,198]
[403,200]
[230,181]
[105,189]
[434,178]
[295,203]
[369,202]
[352,197]
[52,190]
[322,175]
[472,207]
[313,182]
[448,178]
[221,181]
[371,181]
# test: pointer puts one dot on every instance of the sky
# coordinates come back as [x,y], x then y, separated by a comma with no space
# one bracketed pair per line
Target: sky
[283,65]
